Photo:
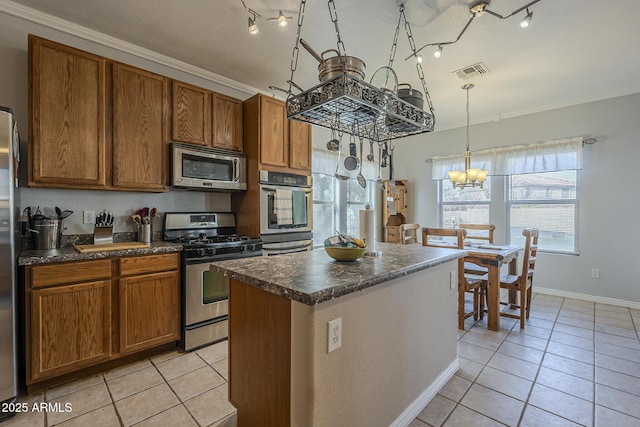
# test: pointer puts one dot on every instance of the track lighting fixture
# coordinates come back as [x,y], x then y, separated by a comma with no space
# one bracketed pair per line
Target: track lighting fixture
[526,20]
[476,9]
[281,19]
[253,28]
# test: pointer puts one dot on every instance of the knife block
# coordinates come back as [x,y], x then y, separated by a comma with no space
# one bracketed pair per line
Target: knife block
[103,234]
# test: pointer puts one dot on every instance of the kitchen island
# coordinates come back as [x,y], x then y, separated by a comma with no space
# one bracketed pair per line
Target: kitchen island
[397,332]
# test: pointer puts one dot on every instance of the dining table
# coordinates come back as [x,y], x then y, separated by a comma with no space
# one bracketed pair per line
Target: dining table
[493,257]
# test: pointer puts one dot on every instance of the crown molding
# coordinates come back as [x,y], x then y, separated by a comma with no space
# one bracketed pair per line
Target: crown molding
[37,17]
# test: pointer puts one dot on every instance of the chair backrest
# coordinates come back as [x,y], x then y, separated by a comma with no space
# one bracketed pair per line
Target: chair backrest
[409,233]
[486,229]
[530,251]
[433,237]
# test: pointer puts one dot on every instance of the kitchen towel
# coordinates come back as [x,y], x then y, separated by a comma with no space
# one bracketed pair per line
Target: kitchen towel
[299,207]
[283,207]
[368,228]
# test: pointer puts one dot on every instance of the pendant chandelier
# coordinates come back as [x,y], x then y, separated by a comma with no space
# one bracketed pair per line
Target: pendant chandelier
[471,176]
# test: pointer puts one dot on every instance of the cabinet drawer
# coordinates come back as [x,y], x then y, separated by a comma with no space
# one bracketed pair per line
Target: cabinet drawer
[149,264]
[393,234]
[69,272]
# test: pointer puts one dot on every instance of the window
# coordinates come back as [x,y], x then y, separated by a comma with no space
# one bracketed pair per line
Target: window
[549,202]
[336,206]
[468,206]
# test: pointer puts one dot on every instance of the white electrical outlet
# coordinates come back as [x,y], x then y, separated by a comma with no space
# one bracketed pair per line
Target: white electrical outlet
[453,279]
[334,341]
[595,273]
[88,217]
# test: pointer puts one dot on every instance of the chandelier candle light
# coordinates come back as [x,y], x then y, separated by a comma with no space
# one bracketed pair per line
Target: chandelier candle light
[471,176]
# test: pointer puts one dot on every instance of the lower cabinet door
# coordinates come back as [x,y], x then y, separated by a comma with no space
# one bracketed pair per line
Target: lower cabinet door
[149,310]
[70,328]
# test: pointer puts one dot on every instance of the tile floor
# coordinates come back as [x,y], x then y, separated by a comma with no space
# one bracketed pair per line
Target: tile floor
[576,363]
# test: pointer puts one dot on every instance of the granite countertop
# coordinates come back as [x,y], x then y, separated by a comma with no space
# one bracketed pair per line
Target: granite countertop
[69,253]
[314,277]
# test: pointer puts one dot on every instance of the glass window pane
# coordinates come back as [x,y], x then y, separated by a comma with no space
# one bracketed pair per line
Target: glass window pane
[454,215]
[450,194]
[323,222]
[323,187]
[355,193]
[560,185]
[353,219]
[556,223]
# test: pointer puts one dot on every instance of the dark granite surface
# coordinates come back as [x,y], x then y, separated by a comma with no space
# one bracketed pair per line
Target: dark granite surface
[314,277]
[69,253]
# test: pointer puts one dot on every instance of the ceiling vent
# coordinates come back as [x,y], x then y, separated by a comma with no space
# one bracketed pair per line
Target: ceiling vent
[475,70]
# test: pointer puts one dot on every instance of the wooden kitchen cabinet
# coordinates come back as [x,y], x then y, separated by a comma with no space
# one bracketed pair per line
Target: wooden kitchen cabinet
[395,209]
[85,313]
[68,320]
[140,116]
[68,110]
[190,114]
[227,122]
[149,301]
[299,146]
[203,117]
[277,143]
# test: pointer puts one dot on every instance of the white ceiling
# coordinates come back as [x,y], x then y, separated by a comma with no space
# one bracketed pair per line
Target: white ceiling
[574,51]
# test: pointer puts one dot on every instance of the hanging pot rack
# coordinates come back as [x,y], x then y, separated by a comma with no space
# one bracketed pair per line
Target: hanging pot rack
[350,105]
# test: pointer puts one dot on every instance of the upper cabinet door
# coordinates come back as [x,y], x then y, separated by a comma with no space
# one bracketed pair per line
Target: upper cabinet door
[227,122]
[273,132]
[67,125]
[140,112]
[299,146]
[191,118]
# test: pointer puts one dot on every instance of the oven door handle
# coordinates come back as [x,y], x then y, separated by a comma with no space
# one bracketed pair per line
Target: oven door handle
[305,189]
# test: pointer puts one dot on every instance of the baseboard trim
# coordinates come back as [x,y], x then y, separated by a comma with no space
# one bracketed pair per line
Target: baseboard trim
[67,27]
[587,297]
[412,411]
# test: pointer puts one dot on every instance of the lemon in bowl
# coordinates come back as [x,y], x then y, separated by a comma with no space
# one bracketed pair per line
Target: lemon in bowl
[340,253]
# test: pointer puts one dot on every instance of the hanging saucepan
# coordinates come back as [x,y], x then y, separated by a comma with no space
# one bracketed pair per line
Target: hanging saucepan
[332,67]
[412,96]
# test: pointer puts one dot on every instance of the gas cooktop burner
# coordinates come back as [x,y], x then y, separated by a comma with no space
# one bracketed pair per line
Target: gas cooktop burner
[213,240]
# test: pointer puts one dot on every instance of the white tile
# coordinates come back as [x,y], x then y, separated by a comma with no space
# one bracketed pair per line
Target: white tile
[572,340]
[472,352]
[573,330]
[103,417]
[197,382]
[469,369]
[632,343]
[73,386]
[506,383]
[521,352]
[81,402]
[618,380]
[211,406]
[562,404]
[618,351]
[618,400]
[535,417]
[616,330]
[180,365]
[618,365]
[214,352]
[493,404]
[455,388]
[568,366]
[568,351]
[566,383]
[146,404]
[512,365]
[606,417]
[465,417]
[517,336]
[437,410]
[134,382]
[176,416]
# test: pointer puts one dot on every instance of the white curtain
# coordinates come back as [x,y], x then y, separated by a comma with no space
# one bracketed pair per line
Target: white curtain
[324,161]
[548,156]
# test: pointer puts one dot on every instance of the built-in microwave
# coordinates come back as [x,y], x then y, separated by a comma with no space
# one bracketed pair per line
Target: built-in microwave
[207,169]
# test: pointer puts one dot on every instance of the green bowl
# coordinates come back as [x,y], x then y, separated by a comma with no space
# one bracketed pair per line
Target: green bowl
[344,254]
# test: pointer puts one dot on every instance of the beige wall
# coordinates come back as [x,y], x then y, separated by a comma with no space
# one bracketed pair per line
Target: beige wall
[397,338]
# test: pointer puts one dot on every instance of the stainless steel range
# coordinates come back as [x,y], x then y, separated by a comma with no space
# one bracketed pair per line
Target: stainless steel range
[206,237]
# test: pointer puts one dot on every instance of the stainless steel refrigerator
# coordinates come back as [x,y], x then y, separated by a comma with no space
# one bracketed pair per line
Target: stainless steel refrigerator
[9,248]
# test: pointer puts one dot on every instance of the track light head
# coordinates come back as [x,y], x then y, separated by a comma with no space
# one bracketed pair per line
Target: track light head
[253,28]
[282,20]
[526,20]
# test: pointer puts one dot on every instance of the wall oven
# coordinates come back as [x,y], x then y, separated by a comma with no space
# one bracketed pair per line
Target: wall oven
[208,169]
[206,237]
[286,212]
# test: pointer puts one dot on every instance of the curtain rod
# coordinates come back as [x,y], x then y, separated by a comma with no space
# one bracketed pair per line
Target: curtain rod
[587,141]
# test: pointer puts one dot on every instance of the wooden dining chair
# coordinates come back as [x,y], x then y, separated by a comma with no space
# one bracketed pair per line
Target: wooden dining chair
[484,234]
[409,233]
[522,283]
[437,237]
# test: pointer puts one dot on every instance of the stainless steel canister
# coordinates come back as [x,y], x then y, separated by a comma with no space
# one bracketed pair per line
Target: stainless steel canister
[46,233]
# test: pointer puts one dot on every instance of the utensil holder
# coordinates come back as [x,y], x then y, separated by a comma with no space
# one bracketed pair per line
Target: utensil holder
[144,233]
[102,234]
